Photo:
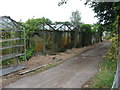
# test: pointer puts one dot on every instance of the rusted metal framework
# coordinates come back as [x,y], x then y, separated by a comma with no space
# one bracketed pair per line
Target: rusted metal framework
[12,45]
[59,37]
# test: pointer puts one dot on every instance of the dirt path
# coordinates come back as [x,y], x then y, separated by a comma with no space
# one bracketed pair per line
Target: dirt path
[70,74]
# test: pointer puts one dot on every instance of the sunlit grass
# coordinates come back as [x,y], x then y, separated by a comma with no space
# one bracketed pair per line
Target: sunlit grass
[104,78]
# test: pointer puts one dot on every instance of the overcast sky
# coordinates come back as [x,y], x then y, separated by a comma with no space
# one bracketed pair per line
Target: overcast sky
[26,9]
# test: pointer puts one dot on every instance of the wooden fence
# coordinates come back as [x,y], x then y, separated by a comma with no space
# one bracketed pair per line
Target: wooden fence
[59,40]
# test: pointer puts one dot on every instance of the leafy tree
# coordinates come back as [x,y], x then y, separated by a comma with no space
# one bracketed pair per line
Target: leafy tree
[66,22]
[107,12]
[76,18]
[95,27]
[48,21]
[33,25]
[85,27]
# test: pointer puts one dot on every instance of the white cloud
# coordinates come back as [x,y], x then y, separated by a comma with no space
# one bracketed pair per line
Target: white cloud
[25,9]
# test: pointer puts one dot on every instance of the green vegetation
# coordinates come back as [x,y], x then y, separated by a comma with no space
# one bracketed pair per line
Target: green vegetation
[85,27]
[66,22]
[76,18]
[35,25]
[108,15]
[31,26]
[109,20]
[104,78]
[8,62]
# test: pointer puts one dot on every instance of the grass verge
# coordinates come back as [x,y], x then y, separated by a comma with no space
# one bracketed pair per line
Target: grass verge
[105,76]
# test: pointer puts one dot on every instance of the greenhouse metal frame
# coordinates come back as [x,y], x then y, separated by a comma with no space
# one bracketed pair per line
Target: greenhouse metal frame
[9,26]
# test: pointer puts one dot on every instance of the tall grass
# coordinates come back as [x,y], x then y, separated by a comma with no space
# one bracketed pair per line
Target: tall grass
[104,78]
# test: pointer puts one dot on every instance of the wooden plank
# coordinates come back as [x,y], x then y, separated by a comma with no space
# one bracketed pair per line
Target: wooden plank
[28,71]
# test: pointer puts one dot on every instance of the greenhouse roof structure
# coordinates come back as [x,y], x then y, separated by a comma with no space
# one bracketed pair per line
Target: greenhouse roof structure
[6,23]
